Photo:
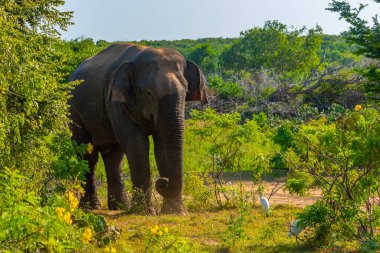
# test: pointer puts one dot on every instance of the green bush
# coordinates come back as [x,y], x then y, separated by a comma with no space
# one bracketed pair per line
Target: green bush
[342,159]
[289,52]
[28,226]
[40,167]
[235,223]
[230,146]
[197,192]
[225,89]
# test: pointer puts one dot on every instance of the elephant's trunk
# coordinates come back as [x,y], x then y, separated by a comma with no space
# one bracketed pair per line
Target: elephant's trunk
[168,146]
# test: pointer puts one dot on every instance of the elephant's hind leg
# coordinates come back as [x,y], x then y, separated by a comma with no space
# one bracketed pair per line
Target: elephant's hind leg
[113,157]
[81,135]
[90,197]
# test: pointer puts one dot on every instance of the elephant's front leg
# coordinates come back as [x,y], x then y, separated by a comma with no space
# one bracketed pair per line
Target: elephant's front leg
[134,141]
[137,150]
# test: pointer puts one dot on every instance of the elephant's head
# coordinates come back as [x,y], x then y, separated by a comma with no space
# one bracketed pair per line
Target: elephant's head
[154,87]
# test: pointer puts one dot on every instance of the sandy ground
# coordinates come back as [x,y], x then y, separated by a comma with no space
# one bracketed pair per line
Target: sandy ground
[271,183]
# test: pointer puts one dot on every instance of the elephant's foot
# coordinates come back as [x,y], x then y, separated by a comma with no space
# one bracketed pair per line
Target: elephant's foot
[118,202]
[90,202]
[173,206]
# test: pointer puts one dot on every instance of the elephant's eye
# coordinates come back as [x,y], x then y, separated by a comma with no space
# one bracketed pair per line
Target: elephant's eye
[149,94]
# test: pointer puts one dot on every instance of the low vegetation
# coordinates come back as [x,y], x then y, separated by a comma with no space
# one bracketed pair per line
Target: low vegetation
[306,107]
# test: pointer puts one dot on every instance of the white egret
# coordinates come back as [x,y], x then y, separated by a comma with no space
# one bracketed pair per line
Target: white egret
[264,203]
[295,229]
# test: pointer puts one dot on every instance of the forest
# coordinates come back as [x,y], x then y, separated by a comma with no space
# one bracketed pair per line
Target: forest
[293,119]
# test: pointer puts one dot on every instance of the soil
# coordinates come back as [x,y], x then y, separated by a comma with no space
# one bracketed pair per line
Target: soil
[271,183]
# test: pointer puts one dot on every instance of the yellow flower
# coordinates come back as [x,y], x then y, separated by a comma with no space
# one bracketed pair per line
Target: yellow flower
[87,235]
[90,148]
[183,242]
[67,218]
[109,249]
[60,211]
[358,108]
[73,201]
[166,230]
[154,229]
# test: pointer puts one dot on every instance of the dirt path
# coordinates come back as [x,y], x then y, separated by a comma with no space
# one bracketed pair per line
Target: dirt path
[271,183]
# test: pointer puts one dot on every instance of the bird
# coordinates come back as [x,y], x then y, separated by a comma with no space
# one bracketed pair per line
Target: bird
[295,228]
[264,203]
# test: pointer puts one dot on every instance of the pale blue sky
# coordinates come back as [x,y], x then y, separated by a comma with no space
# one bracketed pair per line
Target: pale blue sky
[113,20]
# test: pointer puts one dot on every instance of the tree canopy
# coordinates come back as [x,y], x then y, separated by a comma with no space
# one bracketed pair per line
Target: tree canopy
[289,52]
[32,98]
[366,39]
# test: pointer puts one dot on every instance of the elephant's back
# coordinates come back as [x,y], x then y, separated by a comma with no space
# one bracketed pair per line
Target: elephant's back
[106,61]
[88,98]
[96,71]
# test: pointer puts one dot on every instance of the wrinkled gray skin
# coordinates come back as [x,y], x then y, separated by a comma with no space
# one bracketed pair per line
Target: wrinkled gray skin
[130,92]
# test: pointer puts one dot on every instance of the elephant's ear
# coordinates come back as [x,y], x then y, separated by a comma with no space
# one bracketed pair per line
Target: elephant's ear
[120,86]
[196,90]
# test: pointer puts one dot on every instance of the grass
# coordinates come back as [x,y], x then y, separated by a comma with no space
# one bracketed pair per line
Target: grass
[206,231]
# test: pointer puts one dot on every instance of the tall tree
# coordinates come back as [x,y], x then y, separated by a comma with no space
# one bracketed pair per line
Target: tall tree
[32,98]
[366,38]
[288,52]
[205,56]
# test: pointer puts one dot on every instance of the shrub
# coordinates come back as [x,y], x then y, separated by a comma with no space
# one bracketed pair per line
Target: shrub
[235,224]
[342,159]
[226,89]
[231,146]
[198,194]
[28,226]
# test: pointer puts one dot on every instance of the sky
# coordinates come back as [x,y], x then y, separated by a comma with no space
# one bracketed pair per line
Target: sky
[127,20]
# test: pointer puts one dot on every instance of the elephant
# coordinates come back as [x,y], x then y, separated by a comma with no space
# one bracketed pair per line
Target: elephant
[130,92]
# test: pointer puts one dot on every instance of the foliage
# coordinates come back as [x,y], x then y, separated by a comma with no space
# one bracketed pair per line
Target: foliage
[69,163]
[26,226]
[276,47]
[205,56]
[32,99]
[225,89]
[40,167]
[226,140]
[187,46]
[231,146]
[235,230]
[158,239]
[334,49]
[197,193]
[359,33]
[66,169]
[340,158]
[366,40]
[285,135]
